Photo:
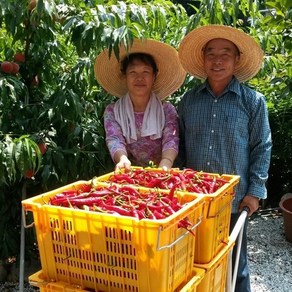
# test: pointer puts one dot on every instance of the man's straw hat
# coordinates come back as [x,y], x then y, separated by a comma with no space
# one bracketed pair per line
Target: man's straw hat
[170,76]
[192,46]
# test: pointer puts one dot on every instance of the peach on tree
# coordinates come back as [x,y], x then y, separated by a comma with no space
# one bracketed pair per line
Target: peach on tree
[19,58]
[15,68]
[6,67]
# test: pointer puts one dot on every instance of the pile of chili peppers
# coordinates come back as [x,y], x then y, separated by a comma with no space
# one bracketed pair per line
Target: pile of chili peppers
[120,197]
[185,180]
[122,200]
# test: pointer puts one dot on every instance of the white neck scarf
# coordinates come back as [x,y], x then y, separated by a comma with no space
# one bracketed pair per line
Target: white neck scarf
[153,120]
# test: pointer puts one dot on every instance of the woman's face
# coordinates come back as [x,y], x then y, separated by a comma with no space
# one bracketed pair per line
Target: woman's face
[140,78]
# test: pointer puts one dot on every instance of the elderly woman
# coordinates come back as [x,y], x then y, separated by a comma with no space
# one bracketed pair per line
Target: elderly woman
[140,127]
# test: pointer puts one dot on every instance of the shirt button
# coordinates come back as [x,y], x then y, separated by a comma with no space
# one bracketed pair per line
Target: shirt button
[208,163]
[214,115]
[210,147]
[215,100]
[212,131]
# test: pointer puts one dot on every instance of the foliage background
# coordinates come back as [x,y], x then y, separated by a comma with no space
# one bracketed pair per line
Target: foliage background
[55,99]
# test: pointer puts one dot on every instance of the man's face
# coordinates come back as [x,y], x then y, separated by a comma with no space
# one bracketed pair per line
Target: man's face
[220,59]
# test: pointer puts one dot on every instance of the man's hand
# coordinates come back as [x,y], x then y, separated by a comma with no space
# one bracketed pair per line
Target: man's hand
[251,202]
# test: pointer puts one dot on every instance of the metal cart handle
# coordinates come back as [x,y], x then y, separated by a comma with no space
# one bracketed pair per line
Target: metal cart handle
[240,222]
[158,247]
[236,234]
[25,225]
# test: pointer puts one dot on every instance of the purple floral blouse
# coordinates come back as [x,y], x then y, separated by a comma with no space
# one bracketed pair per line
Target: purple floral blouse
[144,149]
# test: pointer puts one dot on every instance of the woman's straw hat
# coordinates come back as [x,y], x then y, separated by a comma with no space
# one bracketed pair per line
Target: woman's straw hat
[192,46]
[170,76]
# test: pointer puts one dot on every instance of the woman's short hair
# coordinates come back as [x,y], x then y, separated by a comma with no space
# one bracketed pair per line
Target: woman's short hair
[143,57]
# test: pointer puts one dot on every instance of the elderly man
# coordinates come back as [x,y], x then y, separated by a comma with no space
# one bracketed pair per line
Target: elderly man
[224,126]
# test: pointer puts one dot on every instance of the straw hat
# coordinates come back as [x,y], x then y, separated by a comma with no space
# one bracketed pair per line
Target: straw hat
[170,74]
[191,50]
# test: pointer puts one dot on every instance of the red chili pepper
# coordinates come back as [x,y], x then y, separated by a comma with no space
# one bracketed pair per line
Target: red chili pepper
[62,196]
[189,173]
[135,213]
[184,223]
[121,178]
[172,191]
[195,188]
[90,201]
[85,188]
[158,215]
[129,190]
[168,210]
[109,201]
[101,210]
[144,205]
[175,205]
[69,193]
[212,185]
[99,193]
[166,200]
[155,182]
[140,214]
[117,209]
[149,214]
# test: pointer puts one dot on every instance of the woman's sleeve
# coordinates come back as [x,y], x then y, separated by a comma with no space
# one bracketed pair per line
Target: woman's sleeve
[170,137]
[114,138]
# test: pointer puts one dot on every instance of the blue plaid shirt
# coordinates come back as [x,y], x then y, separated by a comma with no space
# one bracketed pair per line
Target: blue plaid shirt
[229,134]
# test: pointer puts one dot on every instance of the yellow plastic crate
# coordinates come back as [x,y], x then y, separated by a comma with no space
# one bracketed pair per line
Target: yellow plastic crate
[215,277]
[37,280]
[196,278]
[107,252]
[213,231]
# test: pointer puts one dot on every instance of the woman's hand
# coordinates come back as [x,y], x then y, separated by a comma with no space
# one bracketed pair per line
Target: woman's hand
[165,163]
[168,157]
[124,163]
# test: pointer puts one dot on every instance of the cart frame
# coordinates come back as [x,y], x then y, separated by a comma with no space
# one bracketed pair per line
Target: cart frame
[236,234]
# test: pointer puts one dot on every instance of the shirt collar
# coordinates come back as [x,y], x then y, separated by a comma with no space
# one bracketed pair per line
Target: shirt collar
[233,86]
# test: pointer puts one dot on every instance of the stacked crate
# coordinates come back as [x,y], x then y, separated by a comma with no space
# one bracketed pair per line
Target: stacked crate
[89,251]
[213,275]
[105,252]
[39,280]
[212,245]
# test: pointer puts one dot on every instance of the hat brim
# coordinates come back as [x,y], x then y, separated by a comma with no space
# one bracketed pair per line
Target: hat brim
[170,76]
[192,58]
